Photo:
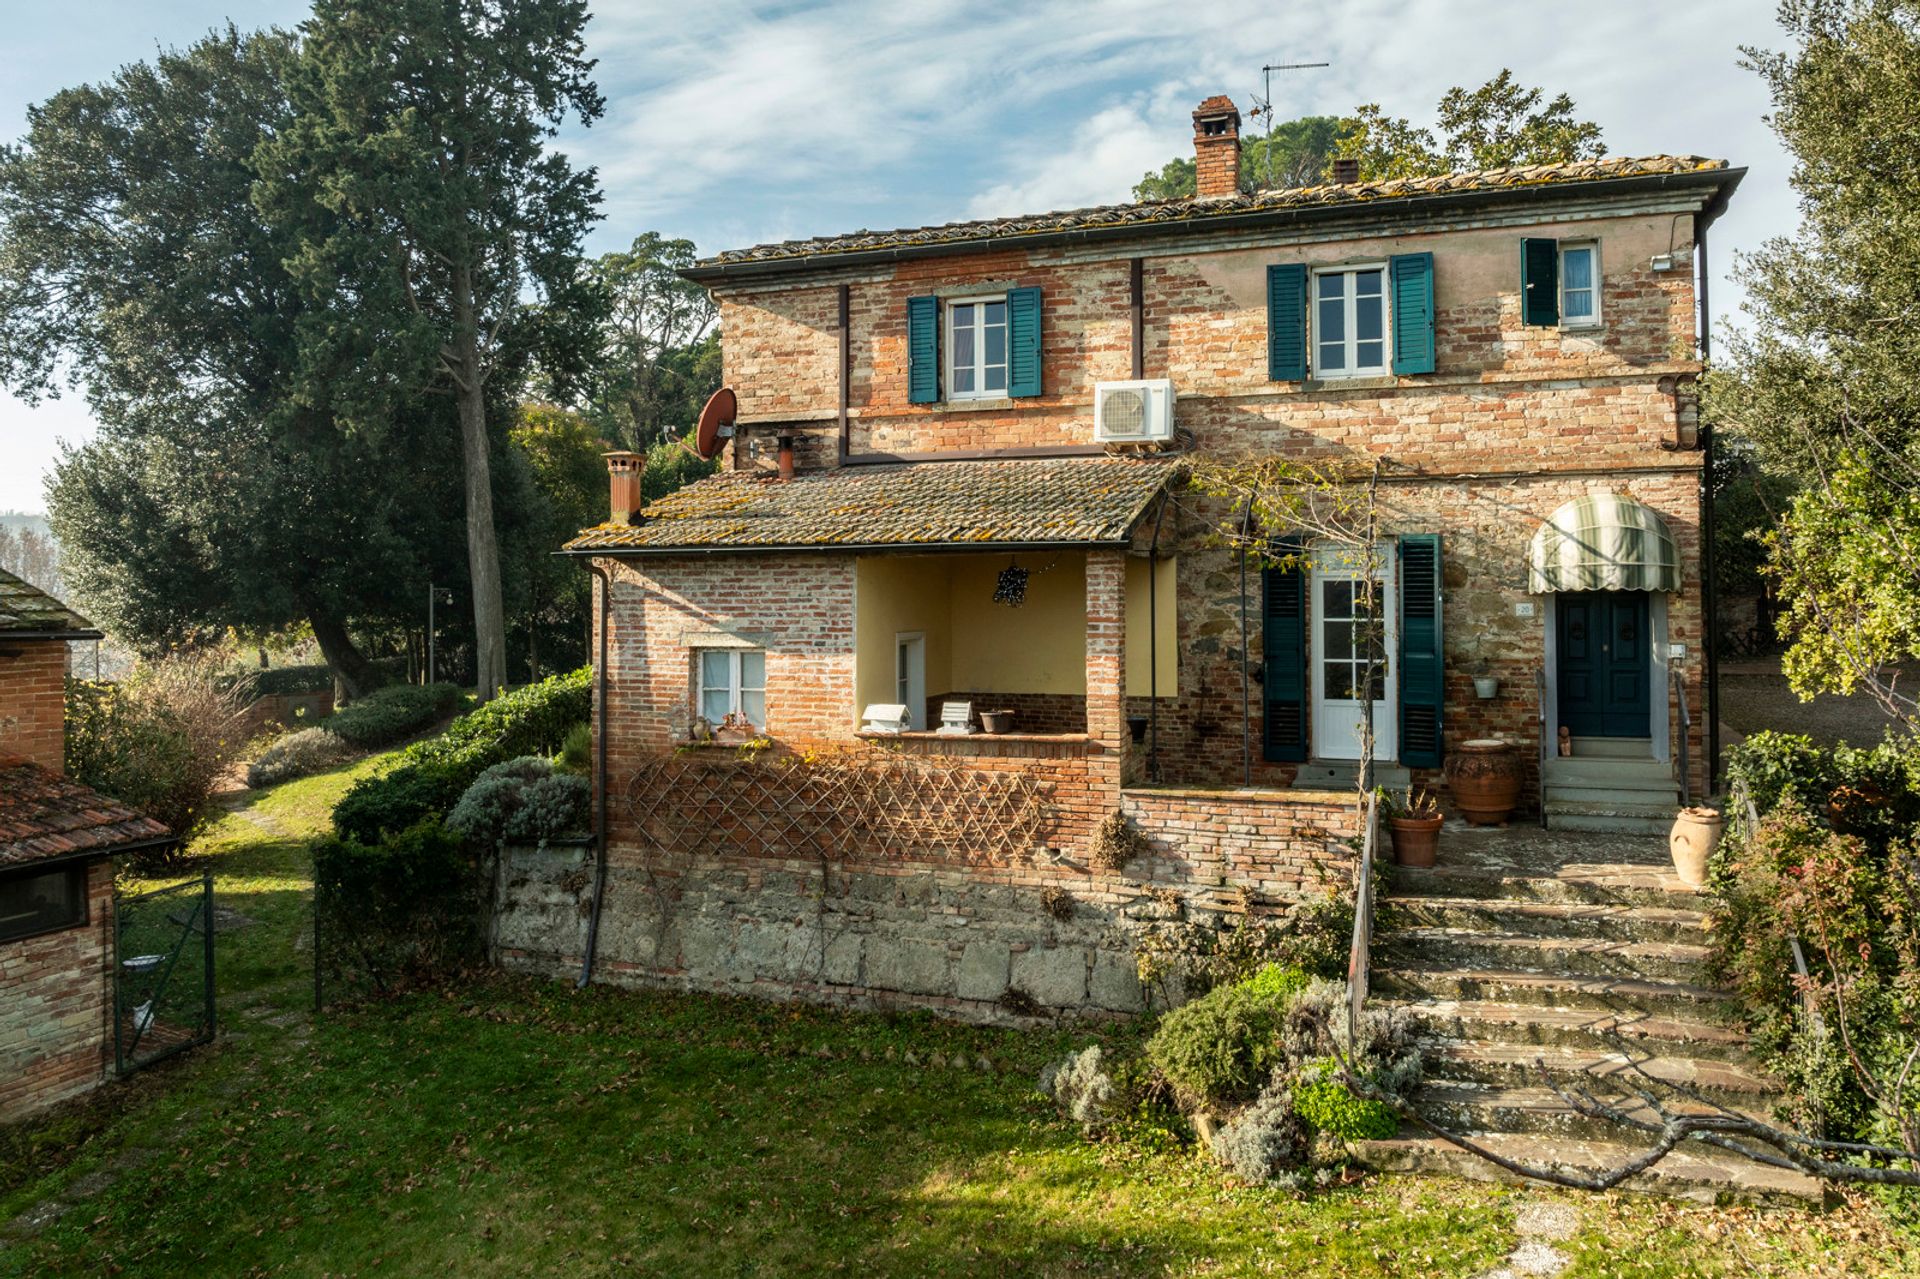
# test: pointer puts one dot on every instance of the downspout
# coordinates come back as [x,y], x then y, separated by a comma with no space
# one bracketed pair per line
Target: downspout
[605,579]
[1153,648]
[1136,314]
[1246,684]
[1709,585]
[846,377]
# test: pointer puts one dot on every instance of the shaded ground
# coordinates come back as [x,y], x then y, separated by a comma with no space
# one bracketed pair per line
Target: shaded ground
[1754,696]
[521,1128]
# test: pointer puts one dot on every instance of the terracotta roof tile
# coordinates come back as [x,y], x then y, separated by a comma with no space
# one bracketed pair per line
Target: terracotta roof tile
[44,815]
[1200,210]
[1064,501]
[25,607]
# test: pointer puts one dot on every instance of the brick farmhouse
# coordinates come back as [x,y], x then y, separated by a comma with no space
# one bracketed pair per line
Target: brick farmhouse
[917,509]
[57,839]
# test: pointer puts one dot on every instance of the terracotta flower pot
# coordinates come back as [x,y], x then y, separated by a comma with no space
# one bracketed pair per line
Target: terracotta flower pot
[1695,832]
[1485,777]
[1415,840]
[996,721]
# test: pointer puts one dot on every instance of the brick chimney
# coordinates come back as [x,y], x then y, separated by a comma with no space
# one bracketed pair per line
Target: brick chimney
[1216,148]
[623,487]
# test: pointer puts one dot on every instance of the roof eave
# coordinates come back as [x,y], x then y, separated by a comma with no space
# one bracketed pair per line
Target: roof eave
[1723,181]
[50,635]
[852,548]
[93,853]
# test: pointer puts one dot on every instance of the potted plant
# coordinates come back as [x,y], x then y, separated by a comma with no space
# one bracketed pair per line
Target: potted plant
[735,730]
[1690,843]
[1414,820]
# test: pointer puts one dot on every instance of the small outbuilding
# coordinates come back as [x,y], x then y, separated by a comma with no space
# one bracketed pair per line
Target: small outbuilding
[57,842]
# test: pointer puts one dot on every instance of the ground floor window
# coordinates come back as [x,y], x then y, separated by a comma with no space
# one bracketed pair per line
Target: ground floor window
[43,901]
[733,682]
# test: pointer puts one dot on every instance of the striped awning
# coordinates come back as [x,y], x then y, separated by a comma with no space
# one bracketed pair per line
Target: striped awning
[1603,542]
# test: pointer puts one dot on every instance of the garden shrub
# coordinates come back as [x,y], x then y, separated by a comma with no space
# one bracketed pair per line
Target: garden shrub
[397,913]
[158,741]
[390,714]
[299,754]
[1218,1049]
[1267,1142]
[429,777]
[576,751]
[521,801]
[1082,1089]
[1327,1105]
[1194,954]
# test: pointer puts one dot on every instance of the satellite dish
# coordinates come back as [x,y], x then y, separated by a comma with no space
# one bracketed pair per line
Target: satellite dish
[716,423]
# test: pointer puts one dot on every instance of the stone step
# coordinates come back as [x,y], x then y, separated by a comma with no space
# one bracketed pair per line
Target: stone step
[1546,919]
[1623,883]
[1586,956]
[1736,1083]
[1615,817]
[1574,770]
[1648,794]
[1634,748]
[1589,1029]
[1552,990]
[1696,1171]
[1480,1107]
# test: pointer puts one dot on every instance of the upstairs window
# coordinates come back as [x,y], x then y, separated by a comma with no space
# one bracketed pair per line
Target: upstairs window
[1350,322]
[977,348]
[1579,283]
[733,681]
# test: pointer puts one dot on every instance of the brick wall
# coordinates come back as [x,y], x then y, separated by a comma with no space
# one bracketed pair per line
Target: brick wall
[33,703]
[55,997]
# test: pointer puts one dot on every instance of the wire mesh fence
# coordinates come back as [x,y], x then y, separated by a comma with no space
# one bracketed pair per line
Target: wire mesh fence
[163,973]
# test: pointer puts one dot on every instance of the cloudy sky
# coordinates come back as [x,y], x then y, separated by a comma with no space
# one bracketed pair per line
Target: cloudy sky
[731,123]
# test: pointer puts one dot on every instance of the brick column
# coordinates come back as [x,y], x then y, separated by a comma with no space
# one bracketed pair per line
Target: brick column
[1107,665]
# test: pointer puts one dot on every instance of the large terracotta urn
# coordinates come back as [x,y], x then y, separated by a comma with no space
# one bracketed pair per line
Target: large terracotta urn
[1695,832]
[1485,777]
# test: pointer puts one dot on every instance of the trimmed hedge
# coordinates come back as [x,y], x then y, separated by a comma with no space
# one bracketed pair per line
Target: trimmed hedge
[389,714]
[429,777]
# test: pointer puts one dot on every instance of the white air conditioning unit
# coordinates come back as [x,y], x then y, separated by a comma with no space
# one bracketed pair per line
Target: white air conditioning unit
[1133,412]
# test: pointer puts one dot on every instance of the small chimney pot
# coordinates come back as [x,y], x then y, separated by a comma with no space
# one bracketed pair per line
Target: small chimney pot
[786,458]
[1346,170]
[623,486]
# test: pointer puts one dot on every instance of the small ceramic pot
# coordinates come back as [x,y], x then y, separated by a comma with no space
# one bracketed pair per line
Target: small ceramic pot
[1485,777]
[1690,842]
[1486,687]
[1416,840]
[996,721]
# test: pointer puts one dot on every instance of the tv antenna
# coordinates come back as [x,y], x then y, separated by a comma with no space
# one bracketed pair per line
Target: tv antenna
[1264,105]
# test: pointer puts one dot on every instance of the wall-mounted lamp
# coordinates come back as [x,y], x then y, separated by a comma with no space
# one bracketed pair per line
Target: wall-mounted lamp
[1663,262]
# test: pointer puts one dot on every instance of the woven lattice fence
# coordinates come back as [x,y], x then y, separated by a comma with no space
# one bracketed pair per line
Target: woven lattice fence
[839,809]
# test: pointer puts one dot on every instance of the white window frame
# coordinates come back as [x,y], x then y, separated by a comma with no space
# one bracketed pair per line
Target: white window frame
[734,686]
[980,366]
[910,676]
[1350,341]
[1586,321]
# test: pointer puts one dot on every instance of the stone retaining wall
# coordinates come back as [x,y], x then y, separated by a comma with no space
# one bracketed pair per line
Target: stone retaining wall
[956,939]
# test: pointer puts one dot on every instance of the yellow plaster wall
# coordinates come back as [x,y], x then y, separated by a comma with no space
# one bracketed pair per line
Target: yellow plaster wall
[1140,653]
[895,593]
[1040,647]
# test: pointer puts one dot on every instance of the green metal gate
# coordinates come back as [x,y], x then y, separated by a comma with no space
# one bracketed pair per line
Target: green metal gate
[163,973]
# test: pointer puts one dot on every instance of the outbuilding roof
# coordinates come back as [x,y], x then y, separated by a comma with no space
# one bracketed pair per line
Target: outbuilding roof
[45,817]
[26,610]
[1158,214]
[1081,501]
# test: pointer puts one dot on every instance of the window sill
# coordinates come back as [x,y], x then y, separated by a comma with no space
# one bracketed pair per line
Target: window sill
[1001,402]
[1358,382]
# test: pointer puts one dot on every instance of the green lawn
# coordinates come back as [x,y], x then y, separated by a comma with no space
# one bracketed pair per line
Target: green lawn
[522,1128]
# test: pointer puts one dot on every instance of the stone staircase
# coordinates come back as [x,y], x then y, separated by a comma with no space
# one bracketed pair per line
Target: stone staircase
[1574,952]
[1612,785]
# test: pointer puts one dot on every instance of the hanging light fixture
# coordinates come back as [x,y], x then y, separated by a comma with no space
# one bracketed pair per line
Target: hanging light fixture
[1011,587]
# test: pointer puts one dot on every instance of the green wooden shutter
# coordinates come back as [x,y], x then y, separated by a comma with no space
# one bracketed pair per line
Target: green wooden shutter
[923,350]
[1422,667]
[1287,322]
[1412,276]
[1023,342]
[1283,643]
[1540,282]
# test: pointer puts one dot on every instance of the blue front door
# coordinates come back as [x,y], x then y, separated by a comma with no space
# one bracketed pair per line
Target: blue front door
[1604,662]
